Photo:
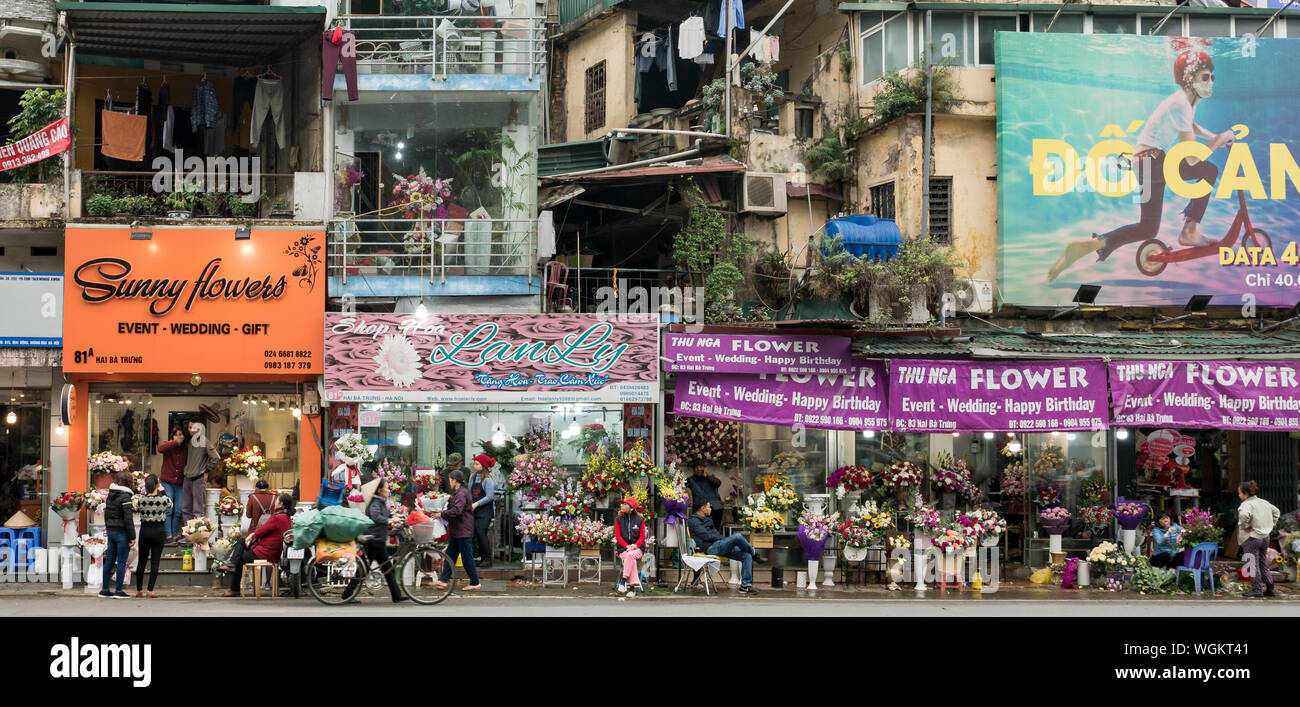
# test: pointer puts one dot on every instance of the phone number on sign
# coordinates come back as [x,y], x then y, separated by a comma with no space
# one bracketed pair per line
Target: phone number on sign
[296,361]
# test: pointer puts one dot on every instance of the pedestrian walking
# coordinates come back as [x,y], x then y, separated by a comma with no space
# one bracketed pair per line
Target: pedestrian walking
[1255,520]
[120,526]
[460,526]
[482,493]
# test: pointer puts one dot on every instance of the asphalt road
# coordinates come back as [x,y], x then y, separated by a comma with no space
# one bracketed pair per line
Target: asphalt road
[667,606]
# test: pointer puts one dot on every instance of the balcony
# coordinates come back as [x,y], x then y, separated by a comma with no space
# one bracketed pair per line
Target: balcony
[106,195]
[615,290]
[30,203]
[435,258]
[448,49]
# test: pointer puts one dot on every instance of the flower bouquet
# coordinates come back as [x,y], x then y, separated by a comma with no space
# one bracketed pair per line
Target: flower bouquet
[924,517]
[1095,491]
[590,439]
[546,528]
[567,505]
[866,526]
[761,520]
[848,479]
[95,500]
[1012,452]
[230,506]
[814,530]
[221,549]
[1014,480]
[95,545]
[353,446]
[535,476]
[950,475]
[1114,563]
[1130,515]
[395,475]
[247,461]
[902,475]
[789,459]
[636,463]
[1096,517]
[780,493]
[197,530]
[137,480]
[697,440]
[345,178]
[590,533]
[418,196]
[950,537]
[988,524]
[68,504]
[671,485]
[538,439]
[106,463]
[1055,520]
[1198,527]
[601,475]
[1047,496]
[423,484]
[1049,461]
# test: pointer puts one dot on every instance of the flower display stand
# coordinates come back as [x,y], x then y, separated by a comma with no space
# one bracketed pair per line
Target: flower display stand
[555,566]
[210,504]
[228,522]
[761,541]
[733,572]
[1129,538]
[590,569]
[828,563]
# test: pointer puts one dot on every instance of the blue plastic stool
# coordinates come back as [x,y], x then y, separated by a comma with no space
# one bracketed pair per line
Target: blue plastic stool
[7,541]
[1202,556]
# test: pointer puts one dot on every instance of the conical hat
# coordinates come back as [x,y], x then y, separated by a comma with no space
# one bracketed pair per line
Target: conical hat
[367,494]
[20,520]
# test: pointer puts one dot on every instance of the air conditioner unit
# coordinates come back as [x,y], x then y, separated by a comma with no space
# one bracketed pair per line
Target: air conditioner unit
[974,296]
[764,193]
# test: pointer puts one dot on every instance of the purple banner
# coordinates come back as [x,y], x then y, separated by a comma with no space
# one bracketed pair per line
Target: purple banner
[975,396]
[1226,395]
[856,401]
[757,353]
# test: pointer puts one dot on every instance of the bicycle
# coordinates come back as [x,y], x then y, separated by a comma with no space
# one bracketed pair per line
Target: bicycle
[419,568]
[327,581]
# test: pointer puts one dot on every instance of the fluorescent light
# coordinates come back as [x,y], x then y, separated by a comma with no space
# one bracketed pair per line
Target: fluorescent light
[988,435]
[1121,433]
[869,433]
[404,438]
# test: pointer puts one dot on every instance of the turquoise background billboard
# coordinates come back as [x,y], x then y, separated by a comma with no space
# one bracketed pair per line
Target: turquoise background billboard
[1083,101]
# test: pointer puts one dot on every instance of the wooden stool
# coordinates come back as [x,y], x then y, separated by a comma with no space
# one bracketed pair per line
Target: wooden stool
[257,583]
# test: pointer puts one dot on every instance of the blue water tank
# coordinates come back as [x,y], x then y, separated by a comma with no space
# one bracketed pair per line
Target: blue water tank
[864,235]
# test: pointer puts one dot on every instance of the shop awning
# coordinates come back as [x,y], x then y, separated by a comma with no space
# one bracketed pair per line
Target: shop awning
[1176,345]
[224,35]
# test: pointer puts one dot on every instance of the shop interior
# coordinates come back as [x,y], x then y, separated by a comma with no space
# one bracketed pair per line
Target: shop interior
[133,423]
[24,473]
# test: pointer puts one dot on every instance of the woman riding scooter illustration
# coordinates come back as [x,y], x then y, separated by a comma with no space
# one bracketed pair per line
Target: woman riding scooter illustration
[1172,122]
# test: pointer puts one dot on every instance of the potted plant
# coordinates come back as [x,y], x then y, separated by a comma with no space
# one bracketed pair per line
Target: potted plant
[180,204]
[280,208]
[214,204]
[101,205]
[239,209]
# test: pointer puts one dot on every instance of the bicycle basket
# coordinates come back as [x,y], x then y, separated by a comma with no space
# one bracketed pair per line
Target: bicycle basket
[423,533]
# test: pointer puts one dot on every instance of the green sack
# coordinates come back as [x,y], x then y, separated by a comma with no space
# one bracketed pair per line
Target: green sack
[306,528]
[344,524]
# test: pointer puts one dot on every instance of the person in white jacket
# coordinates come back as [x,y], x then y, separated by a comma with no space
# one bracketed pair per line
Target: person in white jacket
[1255,520]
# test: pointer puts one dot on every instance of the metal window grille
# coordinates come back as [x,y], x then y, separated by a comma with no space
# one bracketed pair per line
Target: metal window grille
[595,103]
[882,200]
[940,210]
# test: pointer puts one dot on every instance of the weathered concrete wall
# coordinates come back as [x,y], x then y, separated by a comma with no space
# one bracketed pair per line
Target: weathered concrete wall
[26,202]
[609,39]
[966,150]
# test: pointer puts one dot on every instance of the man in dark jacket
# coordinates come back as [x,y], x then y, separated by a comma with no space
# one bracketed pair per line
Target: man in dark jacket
[377,547]
[704,487]
[120,524]
[460,526]
[733,547]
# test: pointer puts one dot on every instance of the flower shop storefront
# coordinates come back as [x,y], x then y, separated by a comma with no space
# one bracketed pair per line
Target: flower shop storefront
[177,325]
[547,396]
[1030,456]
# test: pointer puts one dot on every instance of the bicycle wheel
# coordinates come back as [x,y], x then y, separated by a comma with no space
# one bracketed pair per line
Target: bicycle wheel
[420,569]
[326,583]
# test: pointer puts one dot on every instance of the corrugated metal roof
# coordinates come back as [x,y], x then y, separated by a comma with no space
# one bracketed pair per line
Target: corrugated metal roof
[220,35]
[565,157]
[1171,345]
[703,165]
[908,347]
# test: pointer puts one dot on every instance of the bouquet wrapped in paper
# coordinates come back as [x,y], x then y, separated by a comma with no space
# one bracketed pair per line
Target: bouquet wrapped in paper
[814,530]
[68,504]
[671,485]
[198,530]
[1130,515]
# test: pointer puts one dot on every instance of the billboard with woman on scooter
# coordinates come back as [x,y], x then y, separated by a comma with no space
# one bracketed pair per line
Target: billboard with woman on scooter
[1156,167]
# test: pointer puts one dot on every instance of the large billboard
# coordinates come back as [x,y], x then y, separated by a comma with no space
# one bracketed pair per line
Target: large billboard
[1156,167]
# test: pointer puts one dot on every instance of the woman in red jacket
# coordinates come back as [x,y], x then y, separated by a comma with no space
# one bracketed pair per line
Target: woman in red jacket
[174,453]
[265,543]
[629,533]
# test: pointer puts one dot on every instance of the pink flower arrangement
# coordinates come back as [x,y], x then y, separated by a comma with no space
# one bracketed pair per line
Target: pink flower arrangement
[951,475]
[1013,480]
[949,538]
[535,476]
[925,517]
[988,521]
[1059,513]
[394,475]
[419,196]
[902,475]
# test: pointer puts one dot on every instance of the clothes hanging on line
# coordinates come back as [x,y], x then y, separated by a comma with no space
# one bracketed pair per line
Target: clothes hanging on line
[122,135]
[336,47]
[690,38]
[653,52]
[268,101]
[705,57]
[244,90]
[766,49]
[716,20]
[214,138]
[203,112]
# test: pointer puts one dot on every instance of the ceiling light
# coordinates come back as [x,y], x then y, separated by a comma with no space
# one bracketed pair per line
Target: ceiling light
[266,401]
[988,435]
[1070,436]
[399,154]
[401,145]
[297,411]
[404,438]
[1121,433]
[12,417]
[869,434]
[956,434]
[62,430]
[498,437]
[421,312]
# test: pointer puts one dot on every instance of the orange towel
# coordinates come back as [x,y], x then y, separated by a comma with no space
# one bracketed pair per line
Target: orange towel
[123,135]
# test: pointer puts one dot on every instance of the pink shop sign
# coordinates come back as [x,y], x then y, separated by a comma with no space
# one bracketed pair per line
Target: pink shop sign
[491,358]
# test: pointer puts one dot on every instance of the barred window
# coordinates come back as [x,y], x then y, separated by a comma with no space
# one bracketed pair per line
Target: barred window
[940,210]
[595,103]
[882,200]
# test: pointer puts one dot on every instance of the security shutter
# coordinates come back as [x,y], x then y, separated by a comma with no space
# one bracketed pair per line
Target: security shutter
[1271,463]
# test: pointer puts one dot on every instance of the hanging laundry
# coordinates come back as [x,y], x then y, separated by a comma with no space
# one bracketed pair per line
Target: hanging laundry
[169,130]
[160,116]
[269,100]
[706,57]
[214,138]
[123,135]
[666,55]
[735,21]
[244,90]
[335,47]
[690,38]
[773,48]
[204,111]
[653,52]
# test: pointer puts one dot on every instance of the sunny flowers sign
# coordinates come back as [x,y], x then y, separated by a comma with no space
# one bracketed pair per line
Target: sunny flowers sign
[577,358]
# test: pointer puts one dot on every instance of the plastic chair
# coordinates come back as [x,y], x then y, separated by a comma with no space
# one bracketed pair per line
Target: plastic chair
[1202,556]
[7,538]
[557,275]
[33,534]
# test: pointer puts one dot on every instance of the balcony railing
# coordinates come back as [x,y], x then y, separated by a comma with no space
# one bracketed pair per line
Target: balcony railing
[593,288]
[433,250]
[106,194]
[443,46]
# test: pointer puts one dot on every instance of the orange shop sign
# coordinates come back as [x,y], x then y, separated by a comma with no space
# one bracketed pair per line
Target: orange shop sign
[194,300]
